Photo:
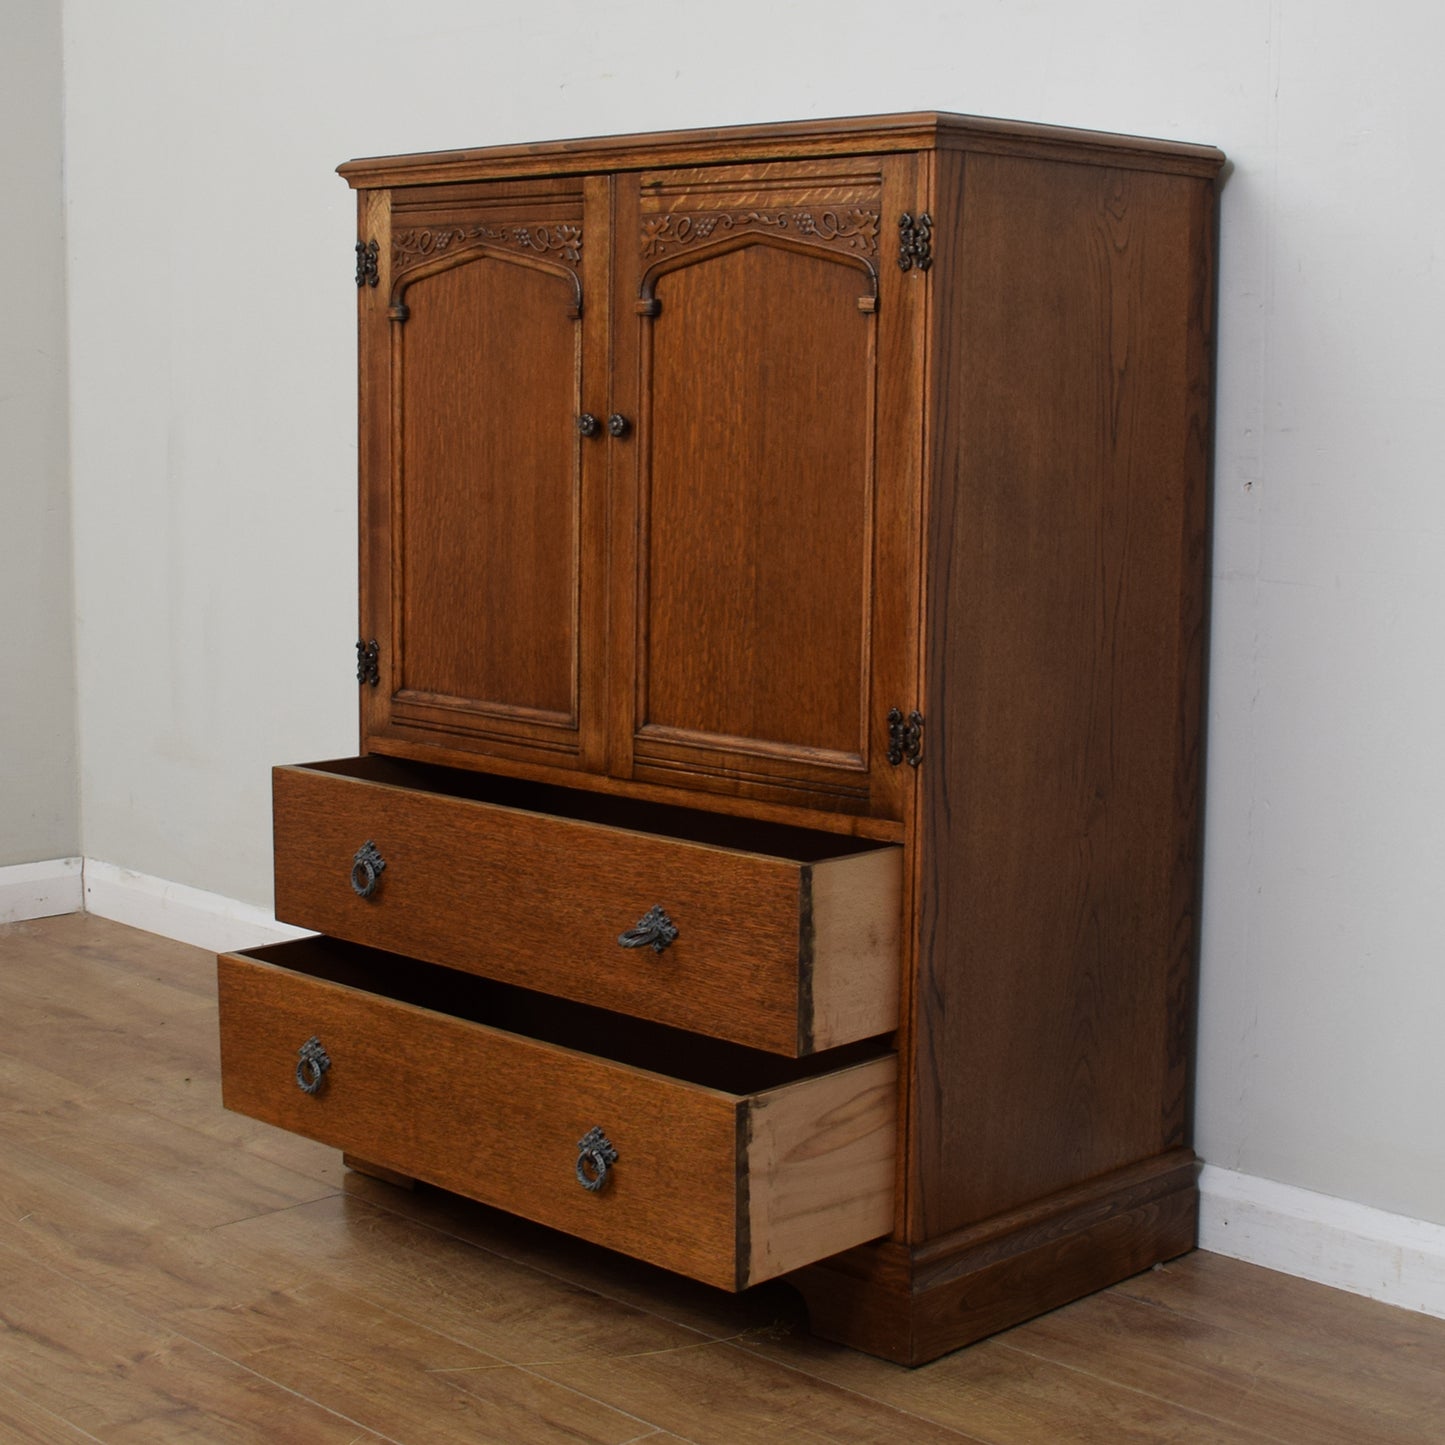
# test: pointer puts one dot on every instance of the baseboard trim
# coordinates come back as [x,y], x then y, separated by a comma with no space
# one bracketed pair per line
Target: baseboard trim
[189,915]
[40,890]
[1370,1252]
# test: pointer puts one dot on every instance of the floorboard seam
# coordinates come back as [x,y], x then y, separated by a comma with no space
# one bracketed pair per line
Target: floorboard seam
[279,1209]
[862,1395]
[368,1431]
[1145,1394]
[59,1419]
[556,1275]
[524,1368]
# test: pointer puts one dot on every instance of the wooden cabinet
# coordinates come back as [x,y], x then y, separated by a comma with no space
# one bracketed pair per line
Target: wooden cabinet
[782,617]
[642,473]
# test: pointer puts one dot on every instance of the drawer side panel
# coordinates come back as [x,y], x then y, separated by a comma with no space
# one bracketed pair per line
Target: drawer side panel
[857,923]
[819,1167]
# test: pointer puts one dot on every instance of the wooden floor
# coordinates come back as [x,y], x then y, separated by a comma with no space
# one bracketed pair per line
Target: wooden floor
[169,1272]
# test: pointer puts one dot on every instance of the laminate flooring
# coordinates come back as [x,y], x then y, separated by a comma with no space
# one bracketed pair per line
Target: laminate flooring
[172,1272]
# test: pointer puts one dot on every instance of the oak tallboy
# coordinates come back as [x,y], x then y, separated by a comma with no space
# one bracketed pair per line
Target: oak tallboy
[774,847]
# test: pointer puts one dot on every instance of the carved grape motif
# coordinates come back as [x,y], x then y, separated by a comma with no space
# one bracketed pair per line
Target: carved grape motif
[421,243]
[856,228]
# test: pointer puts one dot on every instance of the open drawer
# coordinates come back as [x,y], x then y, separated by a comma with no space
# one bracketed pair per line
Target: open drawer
[719,1162]
[780,938]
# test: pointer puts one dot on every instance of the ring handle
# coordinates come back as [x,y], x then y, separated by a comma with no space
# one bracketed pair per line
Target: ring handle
[595,1156]
[311,1065]
[366,869]
[655,930]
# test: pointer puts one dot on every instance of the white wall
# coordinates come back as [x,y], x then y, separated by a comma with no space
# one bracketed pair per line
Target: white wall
[39,803]
[211,329]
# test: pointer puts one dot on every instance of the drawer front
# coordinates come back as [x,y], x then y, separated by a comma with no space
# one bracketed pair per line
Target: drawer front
[730,1188]
[792,957]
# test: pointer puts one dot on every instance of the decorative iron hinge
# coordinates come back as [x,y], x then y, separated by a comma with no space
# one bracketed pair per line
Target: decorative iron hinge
[367,253]
[905,737]
[368,665]
[915,242]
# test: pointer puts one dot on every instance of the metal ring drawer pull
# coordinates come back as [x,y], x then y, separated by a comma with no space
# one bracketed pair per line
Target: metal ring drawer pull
[595,1156]
[311,1066]
[655,930]
[366,869]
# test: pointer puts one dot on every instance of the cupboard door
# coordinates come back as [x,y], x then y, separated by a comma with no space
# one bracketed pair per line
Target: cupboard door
[767,557]
[482,496]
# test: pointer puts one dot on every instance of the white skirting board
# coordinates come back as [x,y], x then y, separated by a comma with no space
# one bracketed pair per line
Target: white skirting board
[189,915]
[1388,1257]
[40,890]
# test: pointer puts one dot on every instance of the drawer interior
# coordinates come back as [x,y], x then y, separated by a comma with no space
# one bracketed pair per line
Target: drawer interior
[709,1062]
[719,830]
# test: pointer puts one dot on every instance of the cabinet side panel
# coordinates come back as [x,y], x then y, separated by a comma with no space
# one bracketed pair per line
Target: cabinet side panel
[1070,386]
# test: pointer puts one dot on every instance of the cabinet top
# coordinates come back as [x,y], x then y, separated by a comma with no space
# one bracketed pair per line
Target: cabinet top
[857,135]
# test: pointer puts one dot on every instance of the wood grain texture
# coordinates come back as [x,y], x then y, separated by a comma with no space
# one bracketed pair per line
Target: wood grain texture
[413,1382]
[377,1171]
[609,1328]
[136,1381]
[769,614]
[482,504]
[859,135]
[1009,1396]
[805,812]
[497,1116]
[772,951]
[1237,1378]
[376,1298]
[757,400]
[855,909]
[489,488]
[1066,546]
[731,667]
[819,1160]
[913,1304]
[976,487]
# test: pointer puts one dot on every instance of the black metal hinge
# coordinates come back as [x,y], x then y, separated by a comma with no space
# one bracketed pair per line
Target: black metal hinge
[905,737]
[915,242]
[368,666]
[367,273]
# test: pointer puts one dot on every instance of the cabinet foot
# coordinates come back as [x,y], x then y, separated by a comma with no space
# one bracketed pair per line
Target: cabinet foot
[912,1303]
[378,1171]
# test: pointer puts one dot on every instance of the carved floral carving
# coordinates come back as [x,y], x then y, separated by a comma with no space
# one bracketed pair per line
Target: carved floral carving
[854,228]
[422,243]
